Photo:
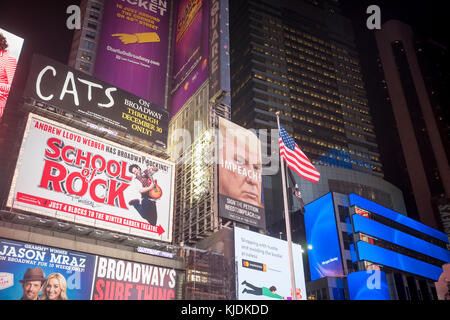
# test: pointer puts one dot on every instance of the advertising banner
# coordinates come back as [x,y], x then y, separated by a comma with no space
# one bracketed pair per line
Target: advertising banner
[219,47]
[67,174]
[263,269]
[29,272]
[191,51]
[325,254]
[240,179]
[68,89]
[125,280]
[10,48]
[133,48]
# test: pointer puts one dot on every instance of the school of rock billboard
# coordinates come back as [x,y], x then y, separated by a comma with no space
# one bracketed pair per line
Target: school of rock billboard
[31,271]
[67,174]
[134,40]
[73,91]
[10,48]
[190,63]
[240,175]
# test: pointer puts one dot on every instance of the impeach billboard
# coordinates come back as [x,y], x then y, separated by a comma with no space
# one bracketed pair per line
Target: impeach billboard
[73,91]
[70,175]
[133,49]
[190,65]
[240,175]
[10,48]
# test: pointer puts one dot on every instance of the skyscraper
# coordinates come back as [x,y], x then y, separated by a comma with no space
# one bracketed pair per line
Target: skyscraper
[423,148]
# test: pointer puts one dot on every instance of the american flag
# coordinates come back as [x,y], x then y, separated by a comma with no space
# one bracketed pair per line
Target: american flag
[295,158]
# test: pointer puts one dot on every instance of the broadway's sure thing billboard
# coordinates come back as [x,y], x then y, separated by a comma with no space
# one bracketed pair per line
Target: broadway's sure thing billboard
[240,180]
[71,90]
[30,271]
[133,49]
[70,175]
[262,264]
[190,65]
[10,48]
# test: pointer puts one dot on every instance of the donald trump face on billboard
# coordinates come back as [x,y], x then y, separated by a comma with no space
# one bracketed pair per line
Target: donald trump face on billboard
[240,164]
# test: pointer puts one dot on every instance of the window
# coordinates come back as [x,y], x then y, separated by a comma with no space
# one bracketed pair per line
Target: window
[96,6]
[90,35]
[86,56]
[92,25]
[89,45]
[94,15]
[85,66]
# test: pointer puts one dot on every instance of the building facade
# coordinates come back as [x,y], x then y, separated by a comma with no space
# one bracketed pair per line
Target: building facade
[364,236]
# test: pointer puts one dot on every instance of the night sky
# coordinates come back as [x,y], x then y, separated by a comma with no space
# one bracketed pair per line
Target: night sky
[43,24]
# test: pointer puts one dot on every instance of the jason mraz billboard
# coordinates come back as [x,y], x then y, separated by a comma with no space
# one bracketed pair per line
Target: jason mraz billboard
[70,175]
[73,91]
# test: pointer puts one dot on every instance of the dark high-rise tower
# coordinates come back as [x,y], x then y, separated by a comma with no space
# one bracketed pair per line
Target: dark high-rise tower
[300,58]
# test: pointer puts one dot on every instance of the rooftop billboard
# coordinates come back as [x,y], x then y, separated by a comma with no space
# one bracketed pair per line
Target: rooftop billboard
[67,174]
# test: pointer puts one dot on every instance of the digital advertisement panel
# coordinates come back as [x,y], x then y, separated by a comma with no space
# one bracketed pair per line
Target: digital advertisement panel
[240,175]
[263,267]
[29,272]
[125,280]
[134,47]
[10,48]
[322,237]
[71,90]
[67,174]
[190,66]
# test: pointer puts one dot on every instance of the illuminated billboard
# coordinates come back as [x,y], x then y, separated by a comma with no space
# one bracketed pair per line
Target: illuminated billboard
[395,260]
[190,65]
[35,272]
[67,174]
[29,271]
[133,49]
[383,232]
[240,175]
[68,89]
[10,48]
[356,200]
[322,236]
[263,271]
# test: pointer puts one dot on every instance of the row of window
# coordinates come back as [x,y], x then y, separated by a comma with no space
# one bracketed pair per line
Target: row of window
[356,117]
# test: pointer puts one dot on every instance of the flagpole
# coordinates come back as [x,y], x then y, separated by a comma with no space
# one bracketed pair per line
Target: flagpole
[288,223]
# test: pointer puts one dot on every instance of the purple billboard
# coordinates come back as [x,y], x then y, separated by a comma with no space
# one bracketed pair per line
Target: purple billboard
[190,66]
[133,49]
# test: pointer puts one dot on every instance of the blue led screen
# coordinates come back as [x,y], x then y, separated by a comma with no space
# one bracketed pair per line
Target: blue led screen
[368,285]
[321,233]
[380,231]
[398,261]
[390,214]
